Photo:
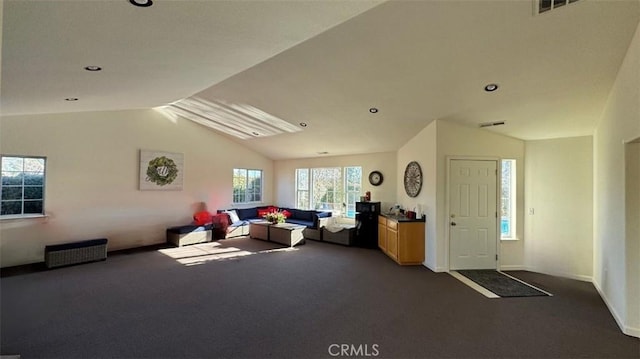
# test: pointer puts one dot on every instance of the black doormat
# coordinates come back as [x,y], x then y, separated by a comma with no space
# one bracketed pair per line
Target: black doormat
[501,284]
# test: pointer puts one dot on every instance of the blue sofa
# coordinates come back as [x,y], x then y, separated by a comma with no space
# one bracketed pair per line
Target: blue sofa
[313,220]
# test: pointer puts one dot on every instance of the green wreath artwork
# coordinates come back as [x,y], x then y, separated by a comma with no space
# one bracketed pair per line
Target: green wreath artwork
[162,171]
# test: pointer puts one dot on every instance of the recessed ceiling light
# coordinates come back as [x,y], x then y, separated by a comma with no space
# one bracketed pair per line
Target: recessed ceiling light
[303,124]
[141,3]
[373,110]
[491,87]
[71,99]
[93,68]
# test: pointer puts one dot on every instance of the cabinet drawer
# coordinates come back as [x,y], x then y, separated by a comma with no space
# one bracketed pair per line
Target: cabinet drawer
[382,220]
[392,225]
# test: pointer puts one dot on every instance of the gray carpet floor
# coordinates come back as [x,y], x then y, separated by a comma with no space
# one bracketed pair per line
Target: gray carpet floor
[244,298]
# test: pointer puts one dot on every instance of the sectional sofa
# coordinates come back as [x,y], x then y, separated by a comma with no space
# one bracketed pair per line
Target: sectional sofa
[238,219]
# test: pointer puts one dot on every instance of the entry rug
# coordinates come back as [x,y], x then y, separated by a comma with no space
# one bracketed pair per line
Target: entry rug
[494,284]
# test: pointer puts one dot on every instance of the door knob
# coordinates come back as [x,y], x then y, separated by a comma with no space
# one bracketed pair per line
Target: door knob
[453,223]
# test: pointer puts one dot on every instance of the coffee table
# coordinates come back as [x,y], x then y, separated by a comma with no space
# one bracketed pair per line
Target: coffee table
[287,234]
[259,230]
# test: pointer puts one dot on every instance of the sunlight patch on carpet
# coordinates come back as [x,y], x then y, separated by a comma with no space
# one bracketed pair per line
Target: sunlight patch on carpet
[214,251]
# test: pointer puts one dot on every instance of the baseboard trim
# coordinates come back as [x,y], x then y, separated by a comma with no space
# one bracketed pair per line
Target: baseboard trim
[512,267]
[608,304]
[580,277]
[634,332]
[435,269]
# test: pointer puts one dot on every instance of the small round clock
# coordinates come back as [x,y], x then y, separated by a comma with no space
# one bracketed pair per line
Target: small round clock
[375,178]
[413,179]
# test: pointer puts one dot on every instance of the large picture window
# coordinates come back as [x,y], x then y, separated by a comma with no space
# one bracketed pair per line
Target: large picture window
[247,185]
[22,187]
[508,200]
[334,189]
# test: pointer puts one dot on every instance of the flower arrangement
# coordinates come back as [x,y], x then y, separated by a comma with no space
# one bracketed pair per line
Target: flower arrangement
[275,217]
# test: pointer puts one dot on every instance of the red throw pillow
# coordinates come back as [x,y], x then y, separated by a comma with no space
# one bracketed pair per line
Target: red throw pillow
[202,218]
[263,212]
[286,213]
[272,209]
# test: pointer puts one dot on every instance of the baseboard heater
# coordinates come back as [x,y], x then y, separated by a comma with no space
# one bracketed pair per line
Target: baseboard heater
[58,255]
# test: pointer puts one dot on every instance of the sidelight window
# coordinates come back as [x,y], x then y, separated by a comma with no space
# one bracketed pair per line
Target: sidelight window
[508,200]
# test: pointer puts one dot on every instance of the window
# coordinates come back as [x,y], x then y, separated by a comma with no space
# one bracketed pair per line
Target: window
[302,188]
[508,200]
[333,189]
[247,185]
[22,186]
[353,180]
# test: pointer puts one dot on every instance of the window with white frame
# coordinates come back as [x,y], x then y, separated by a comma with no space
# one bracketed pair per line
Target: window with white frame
[508,200]
[247,185]
[302,188]
[22,186]
[353,184]
[333,189]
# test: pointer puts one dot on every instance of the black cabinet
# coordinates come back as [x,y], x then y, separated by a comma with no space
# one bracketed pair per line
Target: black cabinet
[367,224]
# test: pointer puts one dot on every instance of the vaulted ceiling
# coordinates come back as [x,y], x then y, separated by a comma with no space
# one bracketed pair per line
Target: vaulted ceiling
[324,64]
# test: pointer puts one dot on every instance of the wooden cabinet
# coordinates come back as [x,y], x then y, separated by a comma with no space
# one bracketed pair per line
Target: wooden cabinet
[392,243]
[402,241]
[382,233]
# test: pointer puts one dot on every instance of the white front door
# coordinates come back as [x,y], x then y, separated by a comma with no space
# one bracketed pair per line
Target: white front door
[473,214]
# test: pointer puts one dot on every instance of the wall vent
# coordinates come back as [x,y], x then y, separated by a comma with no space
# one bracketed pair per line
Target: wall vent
[491,124]
[542,6]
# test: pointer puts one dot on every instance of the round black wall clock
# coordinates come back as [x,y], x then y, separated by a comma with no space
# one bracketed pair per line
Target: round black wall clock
[413,179]
[375,178]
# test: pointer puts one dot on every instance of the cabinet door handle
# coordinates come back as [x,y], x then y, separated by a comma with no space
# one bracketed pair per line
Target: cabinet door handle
[453,223]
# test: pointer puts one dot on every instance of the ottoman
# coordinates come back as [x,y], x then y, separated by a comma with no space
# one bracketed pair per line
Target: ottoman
[189,234]
[344,234]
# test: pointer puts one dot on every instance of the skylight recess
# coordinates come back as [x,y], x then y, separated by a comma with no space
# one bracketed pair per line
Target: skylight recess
[240,120]
[541,6]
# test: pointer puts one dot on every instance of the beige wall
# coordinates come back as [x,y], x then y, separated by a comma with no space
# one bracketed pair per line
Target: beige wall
[92,178]
[431,148]
[1,17]
[385,162]
[620,123]
[559,190]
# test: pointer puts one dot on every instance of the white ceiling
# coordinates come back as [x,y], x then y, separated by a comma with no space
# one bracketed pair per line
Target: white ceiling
[324,63]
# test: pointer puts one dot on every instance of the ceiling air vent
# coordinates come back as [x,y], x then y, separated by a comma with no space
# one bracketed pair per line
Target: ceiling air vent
[491,124]
[541,6]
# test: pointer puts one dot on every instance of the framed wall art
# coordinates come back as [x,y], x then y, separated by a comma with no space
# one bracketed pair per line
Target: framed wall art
[161,170]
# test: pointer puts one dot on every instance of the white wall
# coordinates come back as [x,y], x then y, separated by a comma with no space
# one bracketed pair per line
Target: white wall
[430,148]
[92,178]
[559,189]
[422,149]
[385,162]
[632,223]
[620,122]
